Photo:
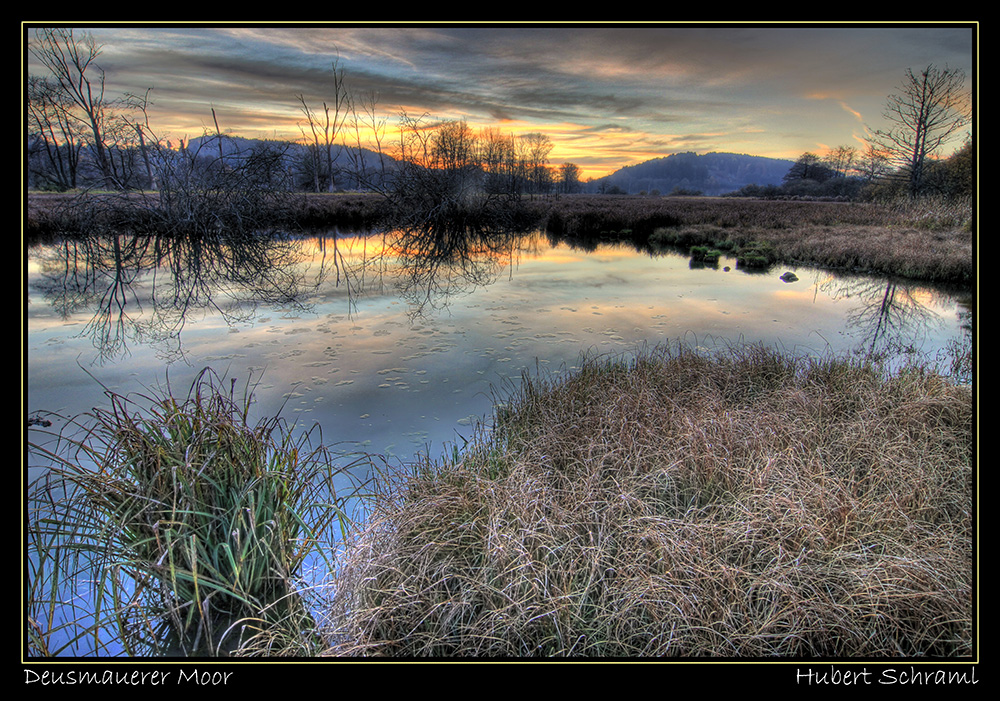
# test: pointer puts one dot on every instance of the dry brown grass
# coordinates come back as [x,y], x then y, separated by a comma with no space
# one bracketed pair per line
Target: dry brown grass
[942,257]
[928,240]
[677,504]
[925,239]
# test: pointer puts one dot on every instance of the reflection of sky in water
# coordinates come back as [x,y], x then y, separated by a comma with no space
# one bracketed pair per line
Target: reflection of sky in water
[371,371]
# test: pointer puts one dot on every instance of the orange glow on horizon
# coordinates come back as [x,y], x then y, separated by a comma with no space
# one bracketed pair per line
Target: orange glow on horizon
[596,152]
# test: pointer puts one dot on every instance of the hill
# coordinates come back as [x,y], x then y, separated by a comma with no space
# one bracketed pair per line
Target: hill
[293,156]
[710,174]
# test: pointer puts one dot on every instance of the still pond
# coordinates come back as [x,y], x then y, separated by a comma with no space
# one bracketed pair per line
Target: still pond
[394,343]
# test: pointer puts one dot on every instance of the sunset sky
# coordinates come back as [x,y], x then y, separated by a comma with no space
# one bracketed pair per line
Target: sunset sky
[606,95]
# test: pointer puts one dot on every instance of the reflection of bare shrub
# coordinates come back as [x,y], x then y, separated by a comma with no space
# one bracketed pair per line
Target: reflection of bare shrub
[434,263]
[141,288]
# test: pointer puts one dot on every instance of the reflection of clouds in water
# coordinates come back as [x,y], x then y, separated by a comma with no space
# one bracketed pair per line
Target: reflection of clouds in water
[414,378]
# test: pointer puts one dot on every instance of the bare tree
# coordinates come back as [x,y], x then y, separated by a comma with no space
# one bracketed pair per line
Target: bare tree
[453,146]
[53,134]
[809,166]
[929,110]
[498,156]
[872,164]
[841,159]
[536,148]
[368,130]
[569,178]
[324,128]
[455,159]
[82,117]
[71,60]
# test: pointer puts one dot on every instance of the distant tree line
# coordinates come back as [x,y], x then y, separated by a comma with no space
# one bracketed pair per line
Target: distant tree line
[930,109]
[849,174]
[844,173]
[447,169]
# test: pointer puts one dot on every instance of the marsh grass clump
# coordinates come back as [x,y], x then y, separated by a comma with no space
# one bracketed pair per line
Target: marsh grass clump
[705,254]
[756,255]
[742,504]
[189,524]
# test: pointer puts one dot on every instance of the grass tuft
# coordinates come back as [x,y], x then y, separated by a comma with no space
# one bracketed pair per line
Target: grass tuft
[189,525]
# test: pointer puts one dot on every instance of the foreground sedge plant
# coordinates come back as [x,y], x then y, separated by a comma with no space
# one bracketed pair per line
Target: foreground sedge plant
[189,526]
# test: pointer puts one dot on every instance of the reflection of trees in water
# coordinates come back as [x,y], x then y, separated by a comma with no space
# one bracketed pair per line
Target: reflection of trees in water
[428,265]
[141,289]
[892,316]
[331,252]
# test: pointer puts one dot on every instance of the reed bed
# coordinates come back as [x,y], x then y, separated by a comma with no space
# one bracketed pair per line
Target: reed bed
[901,251]
[186,525]
[740,504]
[927,239]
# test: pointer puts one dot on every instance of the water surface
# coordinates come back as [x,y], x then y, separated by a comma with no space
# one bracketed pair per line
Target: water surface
[395,344]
